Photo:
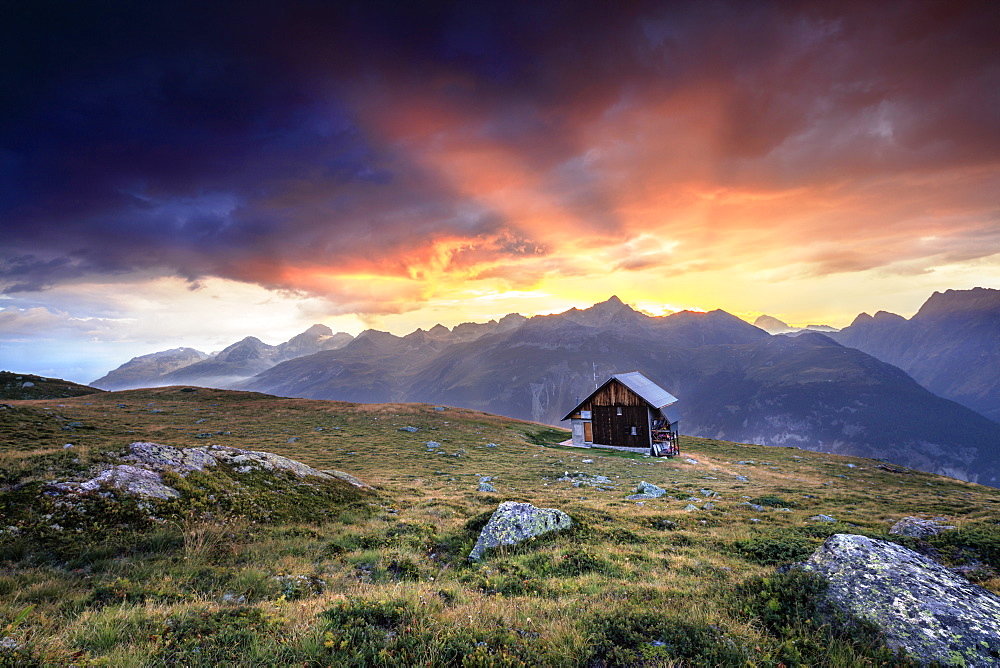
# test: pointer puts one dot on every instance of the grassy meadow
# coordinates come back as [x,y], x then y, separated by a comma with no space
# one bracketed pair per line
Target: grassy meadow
[337,576]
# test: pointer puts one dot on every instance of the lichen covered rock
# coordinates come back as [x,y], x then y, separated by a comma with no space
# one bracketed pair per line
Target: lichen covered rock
[130,479]
[647,490]
[921,607]
[514,522]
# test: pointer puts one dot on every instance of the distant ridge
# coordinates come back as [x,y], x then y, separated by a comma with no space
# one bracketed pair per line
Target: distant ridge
[951,345]
[29,386]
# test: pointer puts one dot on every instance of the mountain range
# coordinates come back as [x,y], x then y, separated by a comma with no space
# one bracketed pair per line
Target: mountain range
[951,345]
[235,363]
[735,381]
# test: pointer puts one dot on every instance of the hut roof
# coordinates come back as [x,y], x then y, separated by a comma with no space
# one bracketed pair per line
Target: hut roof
[649,391]
[655,395]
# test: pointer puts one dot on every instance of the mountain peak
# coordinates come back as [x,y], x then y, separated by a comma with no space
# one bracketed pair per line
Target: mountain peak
[772,325]
[610,311]
[954,301]
[318,330]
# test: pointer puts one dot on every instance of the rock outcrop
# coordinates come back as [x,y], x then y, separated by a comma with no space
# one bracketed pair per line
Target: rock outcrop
[514,522]
[923,609]
[141,477]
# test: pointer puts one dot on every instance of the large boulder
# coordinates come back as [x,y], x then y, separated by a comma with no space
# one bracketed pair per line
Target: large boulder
[514,522]
[921,607]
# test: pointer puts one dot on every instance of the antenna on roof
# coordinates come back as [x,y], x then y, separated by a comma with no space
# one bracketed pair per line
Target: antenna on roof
[595,375]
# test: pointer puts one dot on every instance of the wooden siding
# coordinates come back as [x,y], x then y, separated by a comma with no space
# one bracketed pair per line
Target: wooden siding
[613,429]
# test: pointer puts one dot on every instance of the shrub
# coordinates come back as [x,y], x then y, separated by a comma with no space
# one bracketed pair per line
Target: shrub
[775,548]
[982,541]
[773,502]
[232,636]
[628,637]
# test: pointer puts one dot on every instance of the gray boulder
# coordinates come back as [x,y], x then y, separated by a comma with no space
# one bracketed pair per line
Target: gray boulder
[918,528]
[514,522]
[921,607]
[486,487]
[647,490]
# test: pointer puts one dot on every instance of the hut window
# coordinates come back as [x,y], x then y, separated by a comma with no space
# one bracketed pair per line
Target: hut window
[633,431]
[619,410]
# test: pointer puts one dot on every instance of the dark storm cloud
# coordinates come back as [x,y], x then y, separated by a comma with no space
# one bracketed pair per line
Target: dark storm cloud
[243,139]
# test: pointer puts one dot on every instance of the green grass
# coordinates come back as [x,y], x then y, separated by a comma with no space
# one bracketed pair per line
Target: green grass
[256,570]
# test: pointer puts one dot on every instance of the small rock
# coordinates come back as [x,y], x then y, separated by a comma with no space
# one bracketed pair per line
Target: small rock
[689,507]
[432,445]
[708,492]
[293,439]
[708,506]
[486,487]
[68,445]
[742,478]
[488,445]
[204,435]
[586,461]
[822,518]
[918,528]
[690,461]
[439,408]
[412,430]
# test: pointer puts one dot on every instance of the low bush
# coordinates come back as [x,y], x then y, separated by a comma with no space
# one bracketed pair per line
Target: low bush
[629,637]
[775,548]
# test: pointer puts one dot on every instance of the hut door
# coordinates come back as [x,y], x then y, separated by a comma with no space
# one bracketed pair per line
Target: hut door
[588,432]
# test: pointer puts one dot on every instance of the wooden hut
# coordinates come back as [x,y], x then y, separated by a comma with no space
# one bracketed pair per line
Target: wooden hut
[628,412]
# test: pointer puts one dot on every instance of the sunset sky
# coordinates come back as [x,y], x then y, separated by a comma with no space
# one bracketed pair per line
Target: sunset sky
[178,173]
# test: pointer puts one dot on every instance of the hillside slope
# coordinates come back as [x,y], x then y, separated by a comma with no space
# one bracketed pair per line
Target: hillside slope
[28,386]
